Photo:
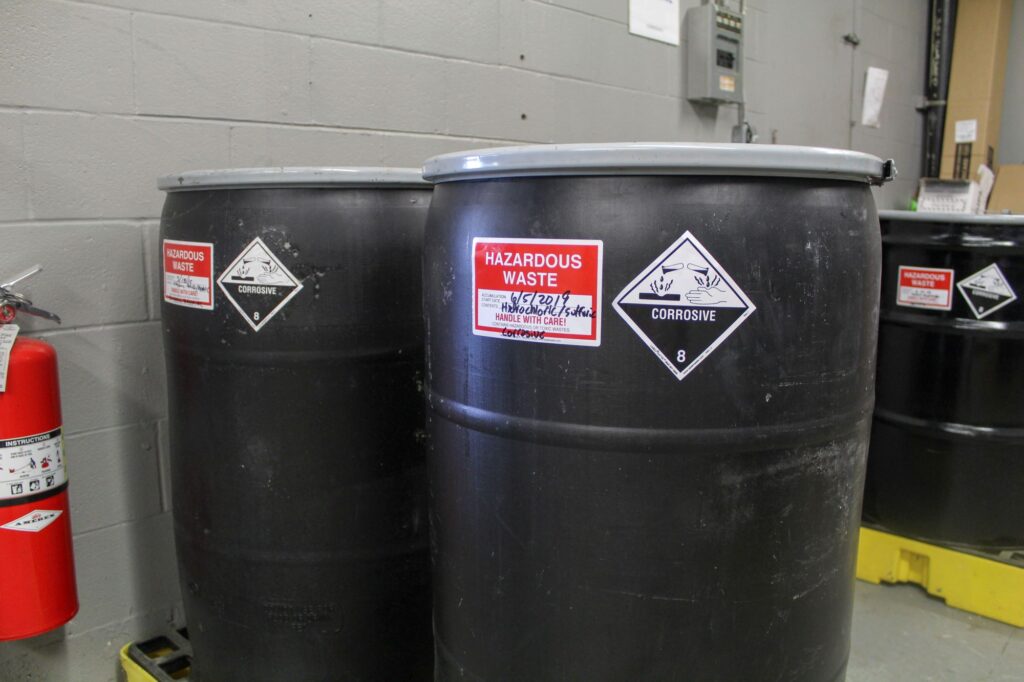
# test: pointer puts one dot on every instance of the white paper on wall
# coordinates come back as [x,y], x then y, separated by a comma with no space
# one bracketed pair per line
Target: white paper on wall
[655,19]
[874,93]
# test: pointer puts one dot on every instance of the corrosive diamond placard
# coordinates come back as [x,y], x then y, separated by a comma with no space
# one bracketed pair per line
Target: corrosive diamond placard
[258,284]
[986,291]
[683,305]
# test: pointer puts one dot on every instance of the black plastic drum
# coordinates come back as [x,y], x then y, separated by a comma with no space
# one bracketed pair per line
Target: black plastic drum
[947,448]
[651,376]
[294,339]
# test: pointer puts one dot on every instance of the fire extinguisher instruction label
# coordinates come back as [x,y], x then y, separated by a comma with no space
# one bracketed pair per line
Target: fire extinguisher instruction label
[31,465]
[925,288]
[8,335]
[683,305]
[188,274]
[540,290]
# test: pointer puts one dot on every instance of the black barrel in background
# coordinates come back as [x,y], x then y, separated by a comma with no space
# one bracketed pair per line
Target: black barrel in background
[595,517]
[296,422]
[947,447]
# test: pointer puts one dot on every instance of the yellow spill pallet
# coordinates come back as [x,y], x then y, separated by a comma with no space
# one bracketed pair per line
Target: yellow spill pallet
[164,658]
[133,672]
[987,587]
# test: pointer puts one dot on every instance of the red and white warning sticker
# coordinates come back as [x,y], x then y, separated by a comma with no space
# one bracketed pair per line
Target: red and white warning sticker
[188,274]
[542,290]
[925,288]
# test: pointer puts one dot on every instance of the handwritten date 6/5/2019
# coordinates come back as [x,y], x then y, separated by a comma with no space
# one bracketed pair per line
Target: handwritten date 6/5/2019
[536,298]
[534,302]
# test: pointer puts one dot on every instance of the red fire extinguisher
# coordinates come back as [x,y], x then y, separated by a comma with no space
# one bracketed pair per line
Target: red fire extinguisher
[37,569]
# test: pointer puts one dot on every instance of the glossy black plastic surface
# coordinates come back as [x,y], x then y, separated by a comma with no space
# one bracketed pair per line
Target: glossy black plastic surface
[595,518]
[947,450]
[297,460]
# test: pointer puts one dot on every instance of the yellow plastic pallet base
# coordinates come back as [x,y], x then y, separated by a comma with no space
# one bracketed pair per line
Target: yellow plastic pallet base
[133,672]
[965,581]
[166,657]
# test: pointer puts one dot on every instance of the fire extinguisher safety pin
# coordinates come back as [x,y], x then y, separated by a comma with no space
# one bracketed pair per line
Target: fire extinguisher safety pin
[12,302]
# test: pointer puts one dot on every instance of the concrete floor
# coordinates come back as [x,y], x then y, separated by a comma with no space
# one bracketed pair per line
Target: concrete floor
[902,634]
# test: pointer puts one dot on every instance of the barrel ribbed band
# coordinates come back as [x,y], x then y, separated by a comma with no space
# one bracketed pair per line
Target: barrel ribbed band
[684,440]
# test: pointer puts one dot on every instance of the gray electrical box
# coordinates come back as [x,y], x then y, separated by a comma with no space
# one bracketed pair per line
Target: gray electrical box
[714,54]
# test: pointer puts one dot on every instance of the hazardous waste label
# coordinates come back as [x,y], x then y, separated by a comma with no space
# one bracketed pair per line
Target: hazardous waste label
[683,305]
[986,291]
[542,290]
[188,274]
[258,284]
[32,465]
[925,288]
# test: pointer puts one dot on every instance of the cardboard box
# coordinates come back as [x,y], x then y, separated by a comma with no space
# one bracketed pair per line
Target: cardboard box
[1008,194]
[976,87]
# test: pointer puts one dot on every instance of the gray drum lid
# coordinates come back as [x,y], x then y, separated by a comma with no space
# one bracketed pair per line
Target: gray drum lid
[965,218]
[263,178]
[650,158]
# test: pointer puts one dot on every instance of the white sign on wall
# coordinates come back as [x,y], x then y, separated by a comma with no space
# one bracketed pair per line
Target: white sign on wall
[874,94]
[655,19]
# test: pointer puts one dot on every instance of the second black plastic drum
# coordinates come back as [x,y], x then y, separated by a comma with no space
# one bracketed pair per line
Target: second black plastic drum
[947,447]
[651,376]
[293,336]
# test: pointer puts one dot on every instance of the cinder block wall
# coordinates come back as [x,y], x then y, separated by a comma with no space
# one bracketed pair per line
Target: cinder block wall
[98,98]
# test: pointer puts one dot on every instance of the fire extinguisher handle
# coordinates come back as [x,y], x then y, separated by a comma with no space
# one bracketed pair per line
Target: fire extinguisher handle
[21,277]
[12,302]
